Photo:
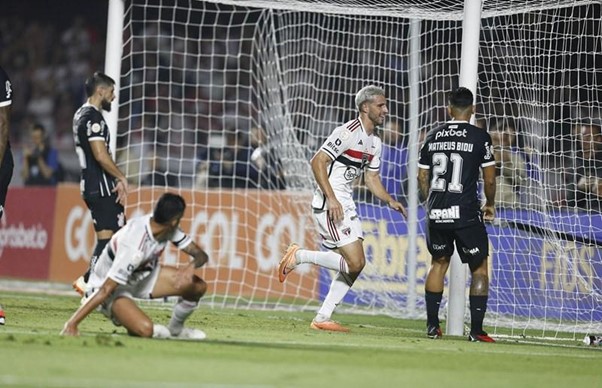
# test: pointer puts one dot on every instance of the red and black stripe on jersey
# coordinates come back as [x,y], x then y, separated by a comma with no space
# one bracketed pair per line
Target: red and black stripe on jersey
[353,125]
[351,157]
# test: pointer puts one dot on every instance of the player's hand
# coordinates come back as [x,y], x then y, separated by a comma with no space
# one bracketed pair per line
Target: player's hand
[335,211]
[121,188]
[398,207]
[70,330]
[488,213]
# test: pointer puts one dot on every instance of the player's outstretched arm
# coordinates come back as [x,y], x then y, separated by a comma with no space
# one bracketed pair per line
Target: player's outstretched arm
[375,185]
[71,326]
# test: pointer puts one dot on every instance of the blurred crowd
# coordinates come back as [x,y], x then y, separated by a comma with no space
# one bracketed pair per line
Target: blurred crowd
[48,63]
[190,114]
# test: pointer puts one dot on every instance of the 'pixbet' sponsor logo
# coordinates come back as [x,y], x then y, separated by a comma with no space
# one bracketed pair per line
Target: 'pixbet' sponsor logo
[21,236]
[450,132]
[451,213]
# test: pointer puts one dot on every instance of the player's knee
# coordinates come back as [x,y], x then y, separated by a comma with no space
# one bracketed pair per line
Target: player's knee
[356,267]
[143,328]
[201,286]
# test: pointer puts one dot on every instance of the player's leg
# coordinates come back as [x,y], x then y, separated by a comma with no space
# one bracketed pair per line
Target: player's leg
[331,234]
[109,217]
[189,293]
[473,247]
[352,250]
[441,247]
[340,286]
[6,173]
[127,313]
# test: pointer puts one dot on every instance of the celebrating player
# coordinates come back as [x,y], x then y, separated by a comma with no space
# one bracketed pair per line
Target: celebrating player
[6,156]
[345,154]
[129,268]
[104,187]
[450,159]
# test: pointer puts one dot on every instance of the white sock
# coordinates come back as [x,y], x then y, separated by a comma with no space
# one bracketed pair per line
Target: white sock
[338,289]
[160,331]
[181,311]
[327,259]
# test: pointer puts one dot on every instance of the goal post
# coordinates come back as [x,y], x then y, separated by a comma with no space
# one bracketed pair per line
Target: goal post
[226,101]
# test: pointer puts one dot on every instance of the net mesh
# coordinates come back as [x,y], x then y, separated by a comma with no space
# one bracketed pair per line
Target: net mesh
[226,102]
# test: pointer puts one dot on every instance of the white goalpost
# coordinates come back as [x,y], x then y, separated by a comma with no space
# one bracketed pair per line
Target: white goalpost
[226,101]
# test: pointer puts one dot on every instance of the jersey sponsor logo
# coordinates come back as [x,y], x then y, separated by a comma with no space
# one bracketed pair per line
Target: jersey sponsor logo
[472,251]
[334,146]
[445,215]
[9,90]
[450,132]
[439,247]
[488,150]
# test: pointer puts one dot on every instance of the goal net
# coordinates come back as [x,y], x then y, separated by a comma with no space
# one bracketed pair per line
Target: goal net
[226,102]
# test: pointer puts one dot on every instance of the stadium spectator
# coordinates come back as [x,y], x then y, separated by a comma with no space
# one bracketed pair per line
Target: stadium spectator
[267,163]
[129,268]
[104,186]
[586,190]
[41,165]
[449,164]
[511,168]
[351,148]
[6,156]
[229,162]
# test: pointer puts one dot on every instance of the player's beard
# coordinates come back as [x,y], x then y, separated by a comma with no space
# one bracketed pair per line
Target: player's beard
[106,105]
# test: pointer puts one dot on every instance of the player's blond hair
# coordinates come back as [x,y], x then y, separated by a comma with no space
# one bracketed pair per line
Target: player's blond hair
[367,93]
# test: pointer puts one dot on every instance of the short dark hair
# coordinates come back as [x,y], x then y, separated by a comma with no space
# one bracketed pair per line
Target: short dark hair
[461,97]
[97,79]
[168,207]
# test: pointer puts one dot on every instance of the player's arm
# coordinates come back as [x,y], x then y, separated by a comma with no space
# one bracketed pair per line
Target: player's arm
[319,167]
[4,124]
[199,256]
[423,183]
[99,151]
[489,190]
[375,185]
[71,326]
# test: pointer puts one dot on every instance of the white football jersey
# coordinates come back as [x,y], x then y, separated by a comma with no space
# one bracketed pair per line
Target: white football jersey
[351,150]
[132,253]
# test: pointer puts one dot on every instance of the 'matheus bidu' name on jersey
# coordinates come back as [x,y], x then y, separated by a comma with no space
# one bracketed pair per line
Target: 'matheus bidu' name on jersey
[351,150]
[454,154]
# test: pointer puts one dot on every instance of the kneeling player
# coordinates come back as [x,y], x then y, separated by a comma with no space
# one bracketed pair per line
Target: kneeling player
[129,268]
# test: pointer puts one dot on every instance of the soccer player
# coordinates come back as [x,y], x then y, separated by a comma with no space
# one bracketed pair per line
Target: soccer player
[129,268]
[346,153]
[450,159]
[6,156]
[103,185]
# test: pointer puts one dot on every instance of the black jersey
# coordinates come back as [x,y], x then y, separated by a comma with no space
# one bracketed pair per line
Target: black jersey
[89,126]
[454,154]
[6,99]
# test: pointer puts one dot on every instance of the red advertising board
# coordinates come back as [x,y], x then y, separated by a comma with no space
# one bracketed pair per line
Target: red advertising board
[26,233]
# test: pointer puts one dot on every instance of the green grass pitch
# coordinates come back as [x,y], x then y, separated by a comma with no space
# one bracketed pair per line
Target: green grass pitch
[271,349]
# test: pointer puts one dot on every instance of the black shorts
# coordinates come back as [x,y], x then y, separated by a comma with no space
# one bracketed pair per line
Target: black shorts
[6,174]
[471,242]
[107,214]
